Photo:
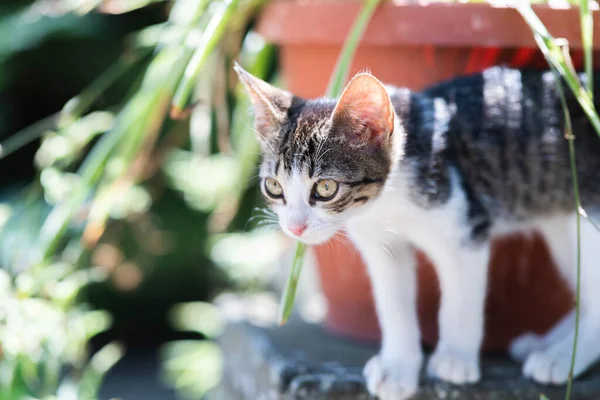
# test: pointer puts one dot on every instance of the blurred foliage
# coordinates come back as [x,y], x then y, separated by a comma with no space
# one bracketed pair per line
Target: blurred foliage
[42,326]
[132,160]
[194,367]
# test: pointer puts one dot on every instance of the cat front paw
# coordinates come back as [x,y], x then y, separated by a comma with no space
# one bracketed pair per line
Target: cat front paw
[524,345]
[391,380]
[547,368]
[454,367]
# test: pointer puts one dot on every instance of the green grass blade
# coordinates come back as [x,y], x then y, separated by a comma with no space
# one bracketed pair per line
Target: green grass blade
[122,7]
[210,39]
[340,73]
[133,123]
[57,222]
[79,104]
[571,138]
[587,33]
[555,56]
[578,285]
[289,293]
[28,135]
[72,110]
[334,89]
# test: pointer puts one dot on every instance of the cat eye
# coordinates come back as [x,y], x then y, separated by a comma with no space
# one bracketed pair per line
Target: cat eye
[273,188]
[325,189]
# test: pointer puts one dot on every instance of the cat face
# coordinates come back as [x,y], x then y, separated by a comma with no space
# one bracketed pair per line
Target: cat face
[322,160]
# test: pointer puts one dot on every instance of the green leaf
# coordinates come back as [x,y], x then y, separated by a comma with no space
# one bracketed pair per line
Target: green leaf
[192,367]
[40,27]
[204,318]
[210,39]
[96,369]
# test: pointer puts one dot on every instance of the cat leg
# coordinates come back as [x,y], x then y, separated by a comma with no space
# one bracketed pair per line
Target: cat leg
[393,374]
[552,364]
[555,233]
[462,272]
[521,347]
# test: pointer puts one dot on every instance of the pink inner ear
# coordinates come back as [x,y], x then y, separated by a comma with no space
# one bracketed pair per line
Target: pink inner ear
[366,103]
[371,114]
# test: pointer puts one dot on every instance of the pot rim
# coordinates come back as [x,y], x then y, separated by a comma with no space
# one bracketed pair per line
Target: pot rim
[326,23]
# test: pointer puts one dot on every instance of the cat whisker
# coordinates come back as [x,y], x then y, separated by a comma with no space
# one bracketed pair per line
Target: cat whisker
[266,211]
[341,237]
[254,217]
[266,223]
[391,229]
[252,178]
[304,160]
[268,220]
[320,156]
[264,140]
[388,249]
[258,224]
[329,246]
[342,241]
[265,216]
[320,148]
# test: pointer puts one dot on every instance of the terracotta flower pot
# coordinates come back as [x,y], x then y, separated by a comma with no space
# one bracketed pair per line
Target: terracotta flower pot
[415,46]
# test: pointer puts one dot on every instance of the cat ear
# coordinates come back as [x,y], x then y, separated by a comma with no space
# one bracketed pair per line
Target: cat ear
[270,104]
[365,110]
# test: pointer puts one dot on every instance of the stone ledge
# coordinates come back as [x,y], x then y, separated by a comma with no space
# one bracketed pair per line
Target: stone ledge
[302,361]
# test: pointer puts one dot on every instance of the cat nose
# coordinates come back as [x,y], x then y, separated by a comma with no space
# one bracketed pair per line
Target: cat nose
[297,230]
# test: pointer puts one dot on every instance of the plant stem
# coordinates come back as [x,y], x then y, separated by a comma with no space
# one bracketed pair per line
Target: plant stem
[292,283]
[571,138]
[587,31]
[342,66]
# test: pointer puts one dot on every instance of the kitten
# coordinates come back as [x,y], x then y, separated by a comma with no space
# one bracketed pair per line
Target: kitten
[444,170]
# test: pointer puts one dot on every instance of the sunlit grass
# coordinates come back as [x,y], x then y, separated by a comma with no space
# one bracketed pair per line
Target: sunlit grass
[41,329]
[94,166]
[211,36]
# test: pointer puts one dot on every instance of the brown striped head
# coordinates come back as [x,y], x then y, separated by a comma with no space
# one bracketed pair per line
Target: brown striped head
[322,159]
